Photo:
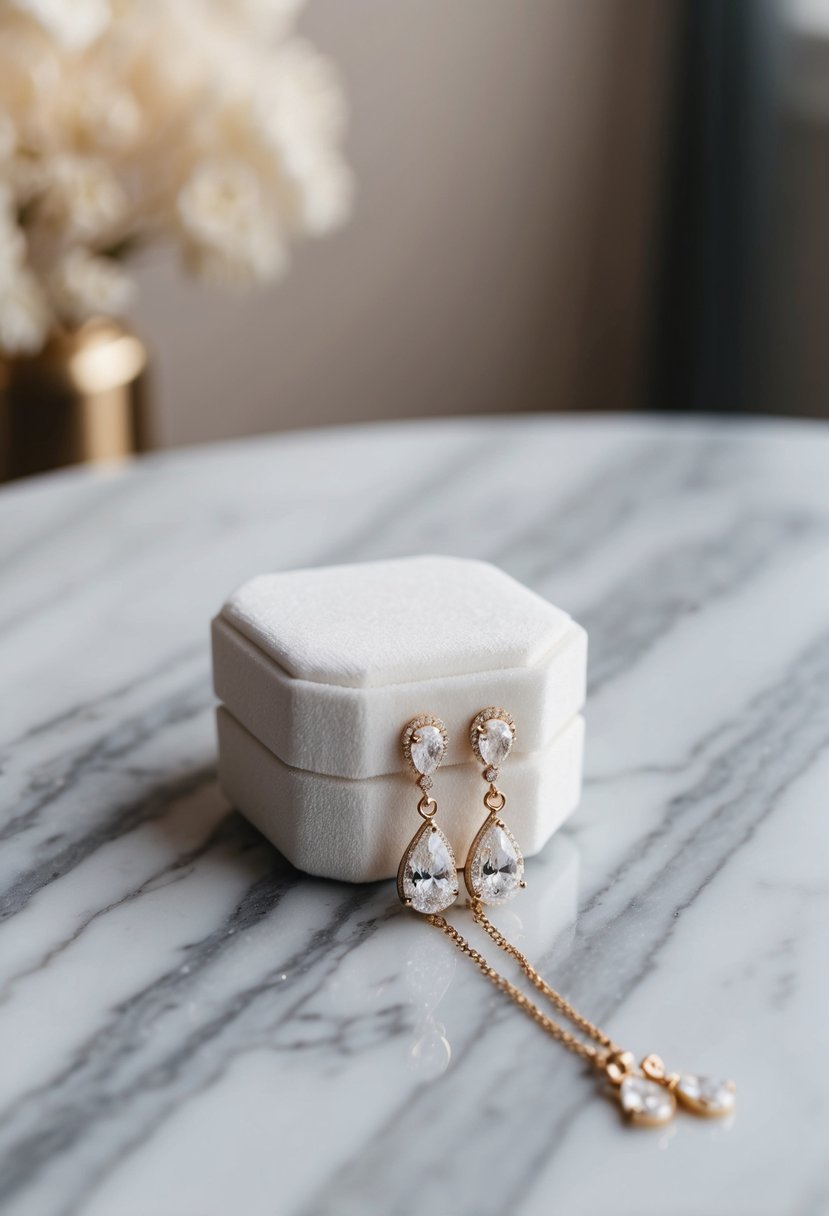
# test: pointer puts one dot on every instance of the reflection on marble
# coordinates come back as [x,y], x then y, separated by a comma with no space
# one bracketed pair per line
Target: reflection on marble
[190,1027]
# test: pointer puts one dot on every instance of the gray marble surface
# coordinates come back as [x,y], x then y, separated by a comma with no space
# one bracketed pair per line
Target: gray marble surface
[190,1027]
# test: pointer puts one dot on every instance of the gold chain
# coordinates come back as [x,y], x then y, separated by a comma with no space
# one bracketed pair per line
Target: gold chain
[541,984]
[585,1050]
[647,1092]
[700,1095]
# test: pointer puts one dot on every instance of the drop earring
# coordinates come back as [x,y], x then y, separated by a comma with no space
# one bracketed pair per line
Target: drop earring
[494,869]
[427,882]
[427,878]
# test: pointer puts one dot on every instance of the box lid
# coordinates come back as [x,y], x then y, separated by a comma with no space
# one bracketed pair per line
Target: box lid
[326,666]
[390,622]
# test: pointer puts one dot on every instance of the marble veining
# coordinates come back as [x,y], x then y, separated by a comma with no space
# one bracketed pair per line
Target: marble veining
[191,1027]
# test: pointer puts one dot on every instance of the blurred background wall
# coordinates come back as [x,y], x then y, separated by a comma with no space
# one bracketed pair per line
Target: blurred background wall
[560,205]
[507,158]
[799,379]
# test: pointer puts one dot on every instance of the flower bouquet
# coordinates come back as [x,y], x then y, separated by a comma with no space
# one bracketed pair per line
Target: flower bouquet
[204,124]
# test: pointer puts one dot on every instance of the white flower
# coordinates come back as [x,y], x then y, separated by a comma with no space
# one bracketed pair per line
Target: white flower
[85,286]
[300,106]
[83,197]
[301,114]
[230,232]
[325,196]
[25,319]
[105,116]
[75,24]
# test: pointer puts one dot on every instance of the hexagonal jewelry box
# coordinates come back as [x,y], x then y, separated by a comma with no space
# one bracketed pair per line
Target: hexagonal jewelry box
[319,671]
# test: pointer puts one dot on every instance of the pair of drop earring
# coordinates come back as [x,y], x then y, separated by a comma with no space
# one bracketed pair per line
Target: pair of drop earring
[427,882]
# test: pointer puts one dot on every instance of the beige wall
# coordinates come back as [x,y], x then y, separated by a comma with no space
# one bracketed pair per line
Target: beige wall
[505,154]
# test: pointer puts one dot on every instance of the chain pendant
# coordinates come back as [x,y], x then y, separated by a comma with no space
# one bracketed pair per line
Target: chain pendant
[706,1096]
[648,1095]
[645,1102]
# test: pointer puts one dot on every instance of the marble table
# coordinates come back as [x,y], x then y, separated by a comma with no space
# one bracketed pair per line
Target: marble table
[189,1027]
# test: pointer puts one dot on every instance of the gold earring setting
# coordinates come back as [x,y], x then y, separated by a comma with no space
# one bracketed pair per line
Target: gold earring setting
[494,870]
[427,879]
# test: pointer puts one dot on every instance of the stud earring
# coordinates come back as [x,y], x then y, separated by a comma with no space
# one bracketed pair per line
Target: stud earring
[494,869]
[427,879]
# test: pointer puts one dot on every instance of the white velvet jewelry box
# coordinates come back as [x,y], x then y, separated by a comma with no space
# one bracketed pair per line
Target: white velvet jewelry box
[318,672]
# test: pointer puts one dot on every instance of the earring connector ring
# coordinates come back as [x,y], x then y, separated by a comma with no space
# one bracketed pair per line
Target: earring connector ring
[494,800]
[427,807]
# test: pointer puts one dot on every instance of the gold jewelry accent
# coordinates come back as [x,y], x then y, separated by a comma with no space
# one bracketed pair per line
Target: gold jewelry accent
[494,869]
[647,1094]
[427,877]
[427,882]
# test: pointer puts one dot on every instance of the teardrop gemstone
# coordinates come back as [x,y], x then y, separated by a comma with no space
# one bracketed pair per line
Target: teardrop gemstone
[645,1101]
[427,880]
[495,741]
[495,868]
[427,748]
[706,1095]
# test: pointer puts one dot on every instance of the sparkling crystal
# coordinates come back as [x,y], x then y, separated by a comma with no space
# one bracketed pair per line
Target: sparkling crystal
[427,749]
[497,867]
[495,741]
[490,773]
[706,1095]
[646,1101]
[428,878]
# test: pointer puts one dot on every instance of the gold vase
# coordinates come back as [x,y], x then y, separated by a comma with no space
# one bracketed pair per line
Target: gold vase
[81,399]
